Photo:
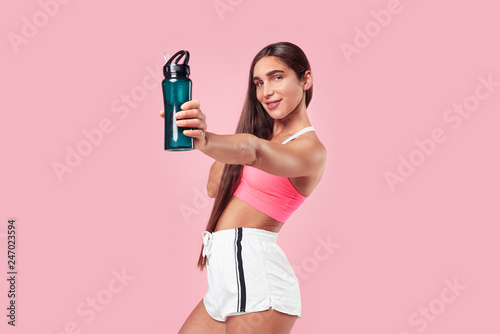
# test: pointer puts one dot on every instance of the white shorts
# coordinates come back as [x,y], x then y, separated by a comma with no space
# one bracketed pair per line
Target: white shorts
[248,272]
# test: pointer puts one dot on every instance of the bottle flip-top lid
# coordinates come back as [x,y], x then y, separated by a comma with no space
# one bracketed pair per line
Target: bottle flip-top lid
[173,69]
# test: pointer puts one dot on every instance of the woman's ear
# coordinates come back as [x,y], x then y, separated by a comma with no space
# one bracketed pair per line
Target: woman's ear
[308,80]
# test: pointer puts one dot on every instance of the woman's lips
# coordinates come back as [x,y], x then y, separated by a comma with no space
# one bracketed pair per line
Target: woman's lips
[273,105]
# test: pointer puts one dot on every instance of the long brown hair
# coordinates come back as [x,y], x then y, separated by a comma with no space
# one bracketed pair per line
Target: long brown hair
[255,120]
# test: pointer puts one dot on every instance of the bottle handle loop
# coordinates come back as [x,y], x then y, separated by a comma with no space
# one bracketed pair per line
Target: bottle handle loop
[179,53]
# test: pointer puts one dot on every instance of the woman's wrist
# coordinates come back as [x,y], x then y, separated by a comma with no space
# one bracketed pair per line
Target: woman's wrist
[202,142]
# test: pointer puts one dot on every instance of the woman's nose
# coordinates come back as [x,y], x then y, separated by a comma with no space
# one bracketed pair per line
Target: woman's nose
[268,90]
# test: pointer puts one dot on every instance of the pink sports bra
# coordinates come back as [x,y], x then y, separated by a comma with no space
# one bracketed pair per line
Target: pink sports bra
[271,194]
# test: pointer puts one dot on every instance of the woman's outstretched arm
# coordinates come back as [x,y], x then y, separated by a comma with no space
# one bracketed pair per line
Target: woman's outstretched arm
[300,157]
[238,149]
[235,149]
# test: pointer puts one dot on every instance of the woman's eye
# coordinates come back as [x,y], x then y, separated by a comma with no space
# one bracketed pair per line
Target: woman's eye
[258,83]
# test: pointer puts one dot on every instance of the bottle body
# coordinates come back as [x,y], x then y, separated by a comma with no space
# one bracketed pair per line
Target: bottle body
[176,91]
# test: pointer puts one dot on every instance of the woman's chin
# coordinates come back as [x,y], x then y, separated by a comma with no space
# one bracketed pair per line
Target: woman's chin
[276,113]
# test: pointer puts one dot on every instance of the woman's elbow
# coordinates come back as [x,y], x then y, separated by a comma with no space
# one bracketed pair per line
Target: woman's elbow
[248,150]
[211,190]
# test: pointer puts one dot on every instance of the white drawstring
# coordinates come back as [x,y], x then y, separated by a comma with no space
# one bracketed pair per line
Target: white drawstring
[207,245]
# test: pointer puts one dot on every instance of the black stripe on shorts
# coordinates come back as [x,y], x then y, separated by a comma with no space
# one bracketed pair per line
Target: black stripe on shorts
[240,276]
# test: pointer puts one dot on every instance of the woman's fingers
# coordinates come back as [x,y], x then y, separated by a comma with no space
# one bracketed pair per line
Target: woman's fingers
[190,117]
[190,114]
[196,133]
[186,106]
[190,109]
[191,104]
[190,123]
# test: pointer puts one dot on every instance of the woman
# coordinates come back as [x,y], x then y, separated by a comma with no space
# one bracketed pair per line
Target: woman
[262,173]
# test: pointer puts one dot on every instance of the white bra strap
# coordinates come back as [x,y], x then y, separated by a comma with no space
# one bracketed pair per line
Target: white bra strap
[304,130]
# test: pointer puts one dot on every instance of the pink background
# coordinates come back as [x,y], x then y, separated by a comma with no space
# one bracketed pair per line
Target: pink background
[130,206]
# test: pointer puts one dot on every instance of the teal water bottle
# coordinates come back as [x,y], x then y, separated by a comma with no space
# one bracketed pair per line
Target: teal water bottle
[176,90]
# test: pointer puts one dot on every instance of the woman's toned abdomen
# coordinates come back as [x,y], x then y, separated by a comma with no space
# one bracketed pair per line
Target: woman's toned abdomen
[240,214]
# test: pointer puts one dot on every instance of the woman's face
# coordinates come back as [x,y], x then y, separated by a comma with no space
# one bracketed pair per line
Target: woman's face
[275,81]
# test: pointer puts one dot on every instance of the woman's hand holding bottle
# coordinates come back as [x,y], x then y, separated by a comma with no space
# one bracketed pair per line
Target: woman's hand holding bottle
[192,117]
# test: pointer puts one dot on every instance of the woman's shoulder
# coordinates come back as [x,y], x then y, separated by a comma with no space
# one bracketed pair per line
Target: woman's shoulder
[319,149]
[315,144]
[316,154]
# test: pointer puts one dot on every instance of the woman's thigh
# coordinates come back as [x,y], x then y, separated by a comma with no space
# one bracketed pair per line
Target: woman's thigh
[199,321]
[264,322]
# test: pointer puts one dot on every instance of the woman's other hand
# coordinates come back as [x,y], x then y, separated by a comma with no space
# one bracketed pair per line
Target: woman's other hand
[191,117]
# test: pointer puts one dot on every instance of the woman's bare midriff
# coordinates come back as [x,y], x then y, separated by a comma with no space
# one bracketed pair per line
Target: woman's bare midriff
[240,214]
